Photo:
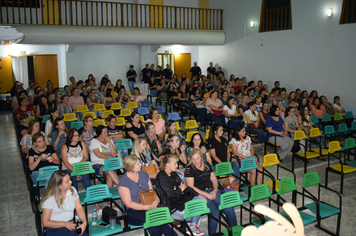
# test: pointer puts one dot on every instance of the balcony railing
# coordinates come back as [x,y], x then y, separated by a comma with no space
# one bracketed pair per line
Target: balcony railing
[112,14]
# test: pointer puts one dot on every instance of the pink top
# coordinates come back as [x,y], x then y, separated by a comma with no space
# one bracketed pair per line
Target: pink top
[217,103]
[159,126]
[138,99]
[74,102]
[318,112]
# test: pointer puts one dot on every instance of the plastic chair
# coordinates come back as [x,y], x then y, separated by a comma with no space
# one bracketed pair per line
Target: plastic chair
[156,217]
[99,107]
[349,145]
[353,126]
[326,118]
[142,119]
[31,118]
[44,174]
[82,108]
[125,112]
[146,103]
[259,192]
[90,113]
[114,164]
[160,109]
[131,105]
[314,119]
[177,126]
[124,144]
[207,136]
[160,116]
[120,121]
[338,116]
[227,200]
[107,113]
[143,111]
[191,124]
[76,125]
[314,133]
[115,94]
[329,132]
[82,168]
[69,117]
[45,118]
[246,165]
[99,122]
[349,115]
[115,106]
[173,116]
[342,129]
[189,136]
[129,93]
[321,208]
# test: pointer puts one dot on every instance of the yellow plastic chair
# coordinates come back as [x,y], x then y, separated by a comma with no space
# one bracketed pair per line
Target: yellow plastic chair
[190,134]
[99,122]
[160,116]
[129,93]
[131,105]
[125,112]
[115,106]
[115,94]
[177,126]
[99,107]
[69,117]
[207,136]
[107,113]
[191,124]
[82,108]
[90,113]
[120,121]
[315,132]
[142,119]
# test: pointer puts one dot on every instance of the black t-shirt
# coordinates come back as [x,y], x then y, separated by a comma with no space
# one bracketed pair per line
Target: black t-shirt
[158,77]
[44,162]
[168,73]
[130,73]
[201,178]
[220,148]
[84,97]
[195,70]
[171,94]
[22,127]
[146,75]
[137,131]
[153,143]
[114,131]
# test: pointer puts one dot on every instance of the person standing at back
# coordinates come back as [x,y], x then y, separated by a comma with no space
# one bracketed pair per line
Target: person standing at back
[131,77]
[195,70]
[211,69]
[146,74]
[168,73]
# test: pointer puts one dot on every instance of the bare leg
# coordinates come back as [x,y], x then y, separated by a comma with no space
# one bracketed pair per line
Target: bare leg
[259,175]
[112,176]
[252,177]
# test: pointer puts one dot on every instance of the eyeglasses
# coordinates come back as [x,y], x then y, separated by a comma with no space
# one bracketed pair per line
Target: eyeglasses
[143,144]
[244,131]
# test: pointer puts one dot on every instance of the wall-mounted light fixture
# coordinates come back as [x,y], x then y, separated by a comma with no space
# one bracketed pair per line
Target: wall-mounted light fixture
[252,23]
[329,12]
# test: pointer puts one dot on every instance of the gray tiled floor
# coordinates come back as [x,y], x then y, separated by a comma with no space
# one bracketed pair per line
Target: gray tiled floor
[18,218]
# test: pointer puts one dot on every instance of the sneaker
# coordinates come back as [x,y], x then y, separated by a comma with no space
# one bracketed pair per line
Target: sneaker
[195,230]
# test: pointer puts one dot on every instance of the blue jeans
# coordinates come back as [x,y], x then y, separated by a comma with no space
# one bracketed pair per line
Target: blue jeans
[178,215]
[214,211]
[218,120]
[260,133]
[85,180]
[131,86]
[201,112]
[34,176]
[186,106]
[234,123]
[62,231]
[153,92]
[80,116]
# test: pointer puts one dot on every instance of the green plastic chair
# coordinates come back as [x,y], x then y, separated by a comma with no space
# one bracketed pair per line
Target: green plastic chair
[353,126]
[82,168]
[44,174]
[349,145]
[329,131]
[158,216]
[223,168]
[114,163]
[227,200]
[45,118]
[246,165]
[31,118]
[76,124]
[338,116]
[259,192]
[314,119]
[123,144]
[326,118]
[321,208]
[349,115]
[342,129]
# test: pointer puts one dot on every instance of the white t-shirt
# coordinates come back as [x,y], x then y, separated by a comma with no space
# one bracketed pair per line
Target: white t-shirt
[95,144]
[229,111]
[337,106]
[48,128]
[66,214]
[252,118]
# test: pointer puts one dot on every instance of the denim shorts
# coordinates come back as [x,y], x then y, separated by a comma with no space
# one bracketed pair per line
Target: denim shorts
[97,167]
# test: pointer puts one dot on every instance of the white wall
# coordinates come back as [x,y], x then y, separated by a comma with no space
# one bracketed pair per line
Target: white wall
[317,53]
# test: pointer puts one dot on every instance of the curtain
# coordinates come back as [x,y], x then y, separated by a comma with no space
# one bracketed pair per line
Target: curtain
[20,70]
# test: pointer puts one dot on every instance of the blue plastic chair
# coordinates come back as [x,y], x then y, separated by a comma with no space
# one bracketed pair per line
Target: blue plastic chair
[173,116]
[76,124]
[160,109]
[45,118]
[143,111]
[123,144]
[146,104]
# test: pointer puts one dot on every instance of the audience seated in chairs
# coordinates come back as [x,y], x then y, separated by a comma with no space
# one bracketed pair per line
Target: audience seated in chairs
[87,132]
[58,135]
[26,141]
[153,143]
[159,123]
[24,123]
[197,142]
[134,127]
[215,108]
[252,122]
[172,129]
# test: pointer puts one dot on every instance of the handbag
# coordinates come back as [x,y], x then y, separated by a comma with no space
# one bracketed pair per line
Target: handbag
[108,214]
[217,113]
[149,168]
[252,126]
[231,183]
[147,196]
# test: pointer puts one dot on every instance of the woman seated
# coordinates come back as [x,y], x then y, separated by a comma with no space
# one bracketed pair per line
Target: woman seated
[49,123]
[183,98]
[162,90]
[58,135]
[199,104]
[24,107]
[215,108]
[317,109]
[40,155]
[108,99]
[24,123]
[87,132]
[172,148]
[337,106]
[198,143]
[277,133]
[137,97]
[224,96]
[75,101]
[58,206]
[101,148]
[242,148]
[92,100]
[272,99]
[26,141]
[232,116]
[152,86]
[115,132]
[174,193]
[153,117]
[172,94]
[253,124]
[64,107]
[291,122]
[153,144]
[134,127]
[264,114]
[243,106]
[200,176]
[43,108]
[172,129]
[131,183]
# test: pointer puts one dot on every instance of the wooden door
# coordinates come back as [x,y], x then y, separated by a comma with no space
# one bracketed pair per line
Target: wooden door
[6,78]
[182,64]
[46,68]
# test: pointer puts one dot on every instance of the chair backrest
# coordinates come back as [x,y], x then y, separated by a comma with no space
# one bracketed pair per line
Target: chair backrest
[120,121]
[129,93]
[107,113]
[173,116]
[123,144]
[157,216]
[326,118]
[69,117]
[46,172]
[350,143]
[270,160]
[115,94]
[99,122]
[191,124]
[97,193]
[248,164]
[114,163]
[338,116]
[131,105]
[82,168]
[90,113]
[353,126]
[146,104]
[286,185]
[342,128]
[230,199]
[160,109]
[31,118]
[310,179]
[349,115]
[99,107]
[125,112]
[299,135]
[314,119]
[223,168]
[329,130]
[177,126]
[143,111]
[142,119]
[314,132]
[207,134]
[334,146]
[45,118]
[76,124]
[160,116]
[115,106]
[82,108]
[190,134]
[259,192]
[195,207]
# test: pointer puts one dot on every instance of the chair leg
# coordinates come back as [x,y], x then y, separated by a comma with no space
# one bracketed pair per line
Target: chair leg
[342,183]
[326,177]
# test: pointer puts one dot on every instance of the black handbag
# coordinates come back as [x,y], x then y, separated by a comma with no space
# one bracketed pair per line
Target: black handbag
[108,214]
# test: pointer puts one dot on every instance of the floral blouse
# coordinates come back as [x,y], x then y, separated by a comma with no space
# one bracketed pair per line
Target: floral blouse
[242,147]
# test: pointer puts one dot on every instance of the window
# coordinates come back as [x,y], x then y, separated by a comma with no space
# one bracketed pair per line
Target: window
[348,12]
[275,15]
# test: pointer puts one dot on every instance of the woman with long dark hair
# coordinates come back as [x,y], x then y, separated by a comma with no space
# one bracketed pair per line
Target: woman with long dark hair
[134,127]
[198,142]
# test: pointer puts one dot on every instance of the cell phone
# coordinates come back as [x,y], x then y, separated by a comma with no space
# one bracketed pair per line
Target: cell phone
[103,224]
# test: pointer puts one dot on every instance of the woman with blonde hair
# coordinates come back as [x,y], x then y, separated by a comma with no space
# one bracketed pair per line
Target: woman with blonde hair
[58,206]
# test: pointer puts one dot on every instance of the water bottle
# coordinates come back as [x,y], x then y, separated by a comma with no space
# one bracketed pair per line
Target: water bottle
[94,217]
